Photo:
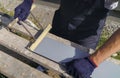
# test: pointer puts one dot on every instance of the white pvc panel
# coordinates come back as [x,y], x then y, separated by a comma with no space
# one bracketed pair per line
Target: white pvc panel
[107,70]
[58,52]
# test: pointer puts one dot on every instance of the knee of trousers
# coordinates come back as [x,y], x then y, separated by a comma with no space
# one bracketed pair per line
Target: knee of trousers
[90,42]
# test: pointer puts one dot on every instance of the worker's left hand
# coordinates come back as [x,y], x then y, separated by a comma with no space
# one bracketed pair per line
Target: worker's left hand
[22,11]
[80,68]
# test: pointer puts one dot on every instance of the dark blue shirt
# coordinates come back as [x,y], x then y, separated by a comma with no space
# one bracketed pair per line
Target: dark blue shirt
[78,19]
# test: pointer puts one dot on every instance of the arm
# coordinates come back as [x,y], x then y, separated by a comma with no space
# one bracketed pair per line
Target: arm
[83,67]
[111,46]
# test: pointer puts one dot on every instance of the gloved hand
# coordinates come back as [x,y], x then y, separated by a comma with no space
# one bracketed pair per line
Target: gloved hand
[80,68]
[22,11]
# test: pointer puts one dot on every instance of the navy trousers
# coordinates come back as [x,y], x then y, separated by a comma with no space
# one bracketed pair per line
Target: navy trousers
[77,21]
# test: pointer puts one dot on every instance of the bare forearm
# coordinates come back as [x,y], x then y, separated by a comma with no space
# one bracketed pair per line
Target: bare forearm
[111,46]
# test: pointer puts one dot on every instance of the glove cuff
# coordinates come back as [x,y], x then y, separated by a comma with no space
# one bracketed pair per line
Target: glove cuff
[33,0]
[91,62]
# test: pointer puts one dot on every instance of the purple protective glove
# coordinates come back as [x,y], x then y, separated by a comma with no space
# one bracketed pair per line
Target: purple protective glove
[80,68]
[22,11]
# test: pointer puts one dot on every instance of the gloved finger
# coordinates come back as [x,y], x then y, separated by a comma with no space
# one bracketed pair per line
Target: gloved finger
[17,12]
[77,75]
[19,22]
[26,15]
[71,71]
[23,15]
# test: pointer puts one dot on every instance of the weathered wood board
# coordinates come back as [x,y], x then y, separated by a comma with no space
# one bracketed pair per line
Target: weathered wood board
[18,45]
[14,68]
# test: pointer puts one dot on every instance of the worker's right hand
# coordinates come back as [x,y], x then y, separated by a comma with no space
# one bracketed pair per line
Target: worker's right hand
[22,11]
[80,68]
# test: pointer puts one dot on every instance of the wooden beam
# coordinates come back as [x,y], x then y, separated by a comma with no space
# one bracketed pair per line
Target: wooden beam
[18,44]
[40,38]
[13,68]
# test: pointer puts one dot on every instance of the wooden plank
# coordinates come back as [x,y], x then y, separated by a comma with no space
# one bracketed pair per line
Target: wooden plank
[18,44]
[14,68]
[22,29]
[40,38]
[6,39]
